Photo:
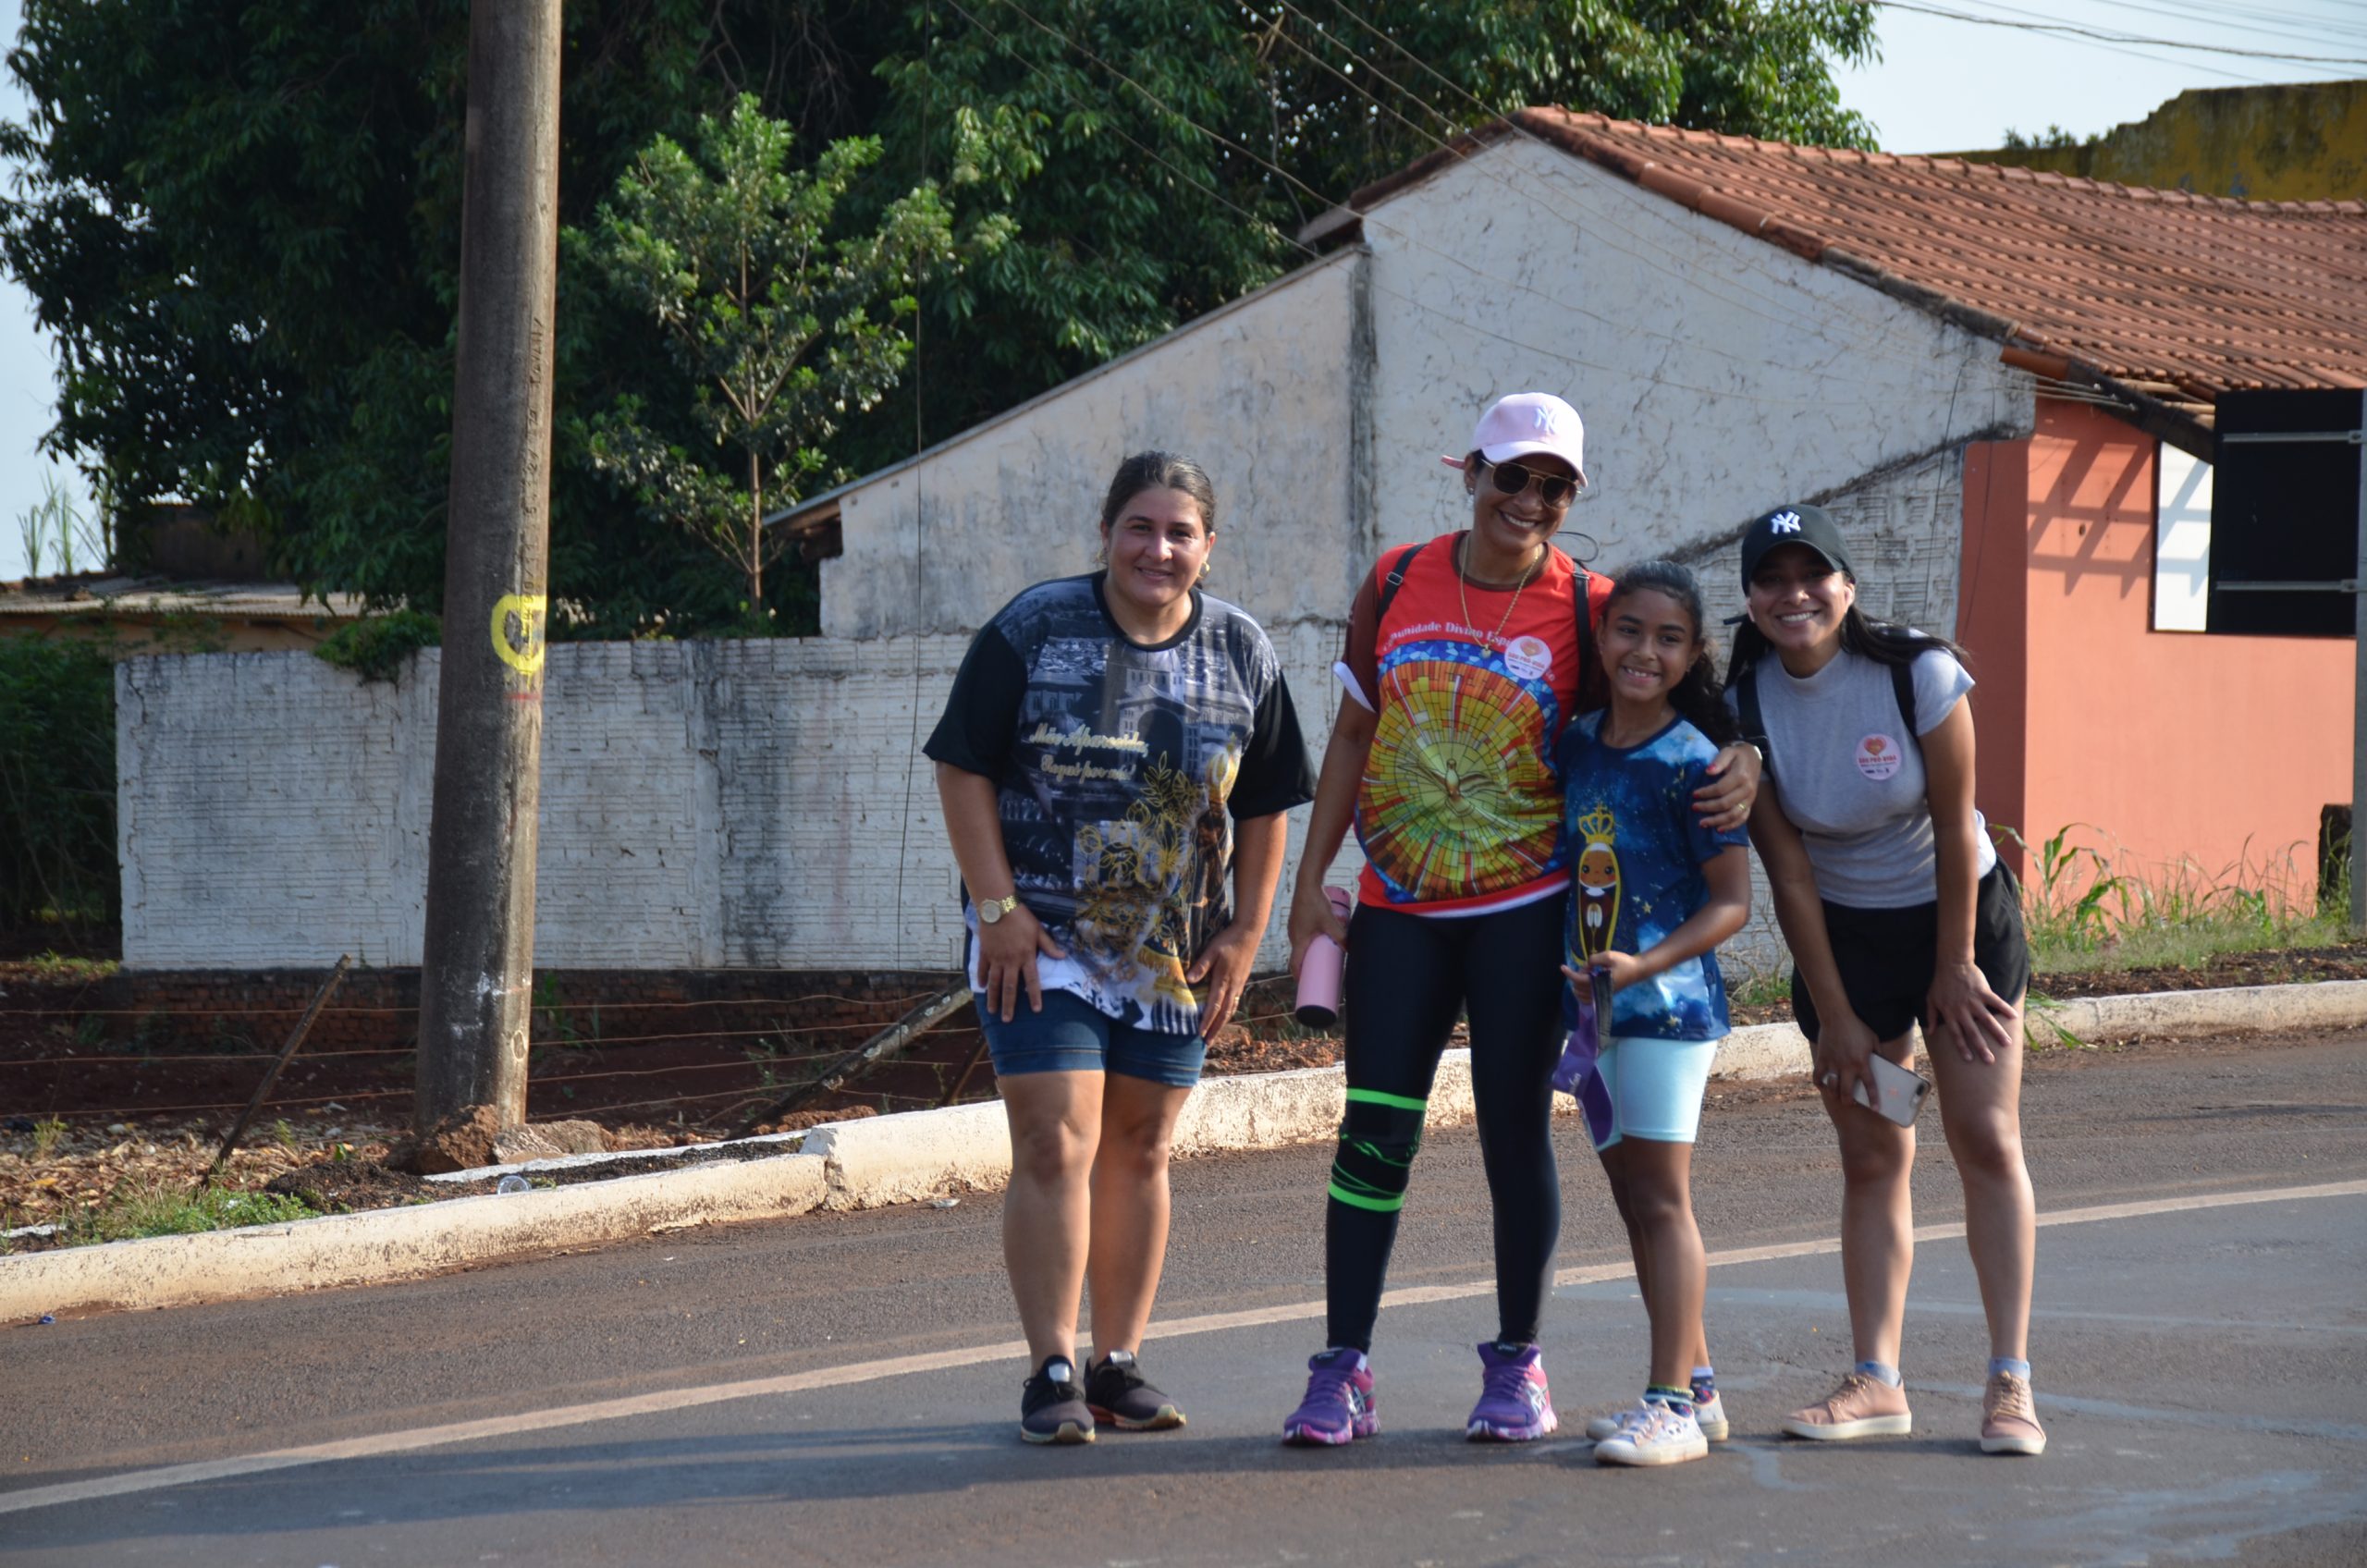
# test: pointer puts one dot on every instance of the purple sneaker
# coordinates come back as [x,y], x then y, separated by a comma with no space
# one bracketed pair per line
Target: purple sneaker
[1339,1404]
[1514,1407]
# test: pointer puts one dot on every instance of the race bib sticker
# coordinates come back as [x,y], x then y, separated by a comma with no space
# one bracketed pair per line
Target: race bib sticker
[1879,756]
[1528,658]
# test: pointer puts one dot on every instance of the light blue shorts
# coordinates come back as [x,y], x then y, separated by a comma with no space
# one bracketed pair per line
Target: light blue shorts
[1656,1087]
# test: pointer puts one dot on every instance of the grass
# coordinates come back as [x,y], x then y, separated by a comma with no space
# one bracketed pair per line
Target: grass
[1761,987]
[2083,913]
[154,1209]
[61,969]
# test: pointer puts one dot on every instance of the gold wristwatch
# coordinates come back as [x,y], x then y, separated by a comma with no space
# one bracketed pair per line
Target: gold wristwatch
[992,910]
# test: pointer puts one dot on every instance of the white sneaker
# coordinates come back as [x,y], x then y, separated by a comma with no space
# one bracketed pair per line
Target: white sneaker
[1659,1436]
[1618,1421]
[1710,1415]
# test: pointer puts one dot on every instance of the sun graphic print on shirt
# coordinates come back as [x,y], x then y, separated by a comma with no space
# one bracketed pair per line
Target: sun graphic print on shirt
[1597,879]
[1457,800]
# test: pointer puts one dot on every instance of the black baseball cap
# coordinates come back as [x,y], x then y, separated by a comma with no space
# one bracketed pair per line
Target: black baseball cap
[1801,524]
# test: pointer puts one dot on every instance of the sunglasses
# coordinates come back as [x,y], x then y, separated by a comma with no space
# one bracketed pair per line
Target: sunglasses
[1551,488]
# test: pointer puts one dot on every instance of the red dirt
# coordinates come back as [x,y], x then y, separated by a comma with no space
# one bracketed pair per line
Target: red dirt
[152,1116]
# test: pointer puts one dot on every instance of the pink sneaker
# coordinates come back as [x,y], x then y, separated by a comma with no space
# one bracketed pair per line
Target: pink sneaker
[2008,1419]
[1860,1407]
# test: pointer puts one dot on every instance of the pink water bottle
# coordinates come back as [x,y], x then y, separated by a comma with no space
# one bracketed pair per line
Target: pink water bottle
[1319,975]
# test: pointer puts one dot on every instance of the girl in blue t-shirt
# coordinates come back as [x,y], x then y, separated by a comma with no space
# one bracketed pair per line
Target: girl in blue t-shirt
[1655,892]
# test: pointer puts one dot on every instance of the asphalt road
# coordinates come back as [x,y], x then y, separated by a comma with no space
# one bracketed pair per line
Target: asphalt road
[844,1388]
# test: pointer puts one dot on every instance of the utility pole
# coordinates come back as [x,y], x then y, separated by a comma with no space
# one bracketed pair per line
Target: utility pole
[476,979]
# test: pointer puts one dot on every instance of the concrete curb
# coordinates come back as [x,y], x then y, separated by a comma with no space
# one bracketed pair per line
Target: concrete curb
[396,1243]
[890,1159]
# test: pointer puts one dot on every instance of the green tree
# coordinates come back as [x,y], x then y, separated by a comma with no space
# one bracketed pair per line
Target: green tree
[242,225]
[1156,156]
[731,254]
[241,222]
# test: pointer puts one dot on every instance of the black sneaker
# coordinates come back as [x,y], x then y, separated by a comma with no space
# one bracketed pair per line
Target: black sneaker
[1116,1392]
[1050,1408]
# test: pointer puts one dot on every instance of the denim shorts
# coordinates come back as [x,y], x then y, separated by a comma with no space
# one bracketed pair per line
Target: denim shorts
[1072,1036]
[1656,1087]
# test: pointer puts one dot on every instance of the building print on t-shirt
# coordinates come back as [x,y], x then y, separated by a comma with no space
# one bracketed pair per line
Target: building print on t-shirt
[1597,875]
[1456,800]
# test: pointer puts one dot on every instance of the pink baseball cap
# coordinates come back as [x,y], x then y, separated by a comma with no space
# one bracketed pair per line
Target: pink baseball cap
[1526,423]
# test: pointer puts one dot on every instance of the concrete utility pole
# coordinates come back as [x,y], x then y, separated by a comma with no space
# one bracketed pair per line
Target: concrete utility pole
[476,980]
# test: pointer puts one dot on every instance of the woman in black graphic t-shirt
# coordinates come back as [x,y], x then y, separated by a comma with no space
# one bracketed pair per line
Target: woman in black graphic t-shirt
[1113,745]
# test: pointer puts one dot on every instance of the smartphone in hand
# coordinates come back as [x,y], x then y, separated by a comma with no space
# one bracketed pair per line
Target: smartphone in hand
[1900,1093]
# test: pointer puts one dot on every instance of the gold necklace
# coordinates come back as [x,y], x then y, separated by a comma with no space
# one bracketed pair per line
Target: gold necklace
[1494,640]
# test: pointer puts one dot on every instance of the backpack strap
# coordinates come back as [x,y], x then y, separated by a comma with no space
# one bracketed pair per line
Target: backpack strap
[1591,681]
[1902,685]
[1394,580]
[1754,726]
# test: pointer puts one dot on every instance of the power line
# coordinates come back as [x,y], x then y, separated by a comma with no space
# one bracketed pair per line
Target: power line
[1878,328]
[2071,31]
[1414,241]
[2274,23]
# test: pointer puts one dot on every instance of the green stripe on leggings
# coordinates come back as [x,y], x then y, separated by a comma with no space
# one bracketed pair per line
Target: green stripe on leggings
[1359,1200]
[1396,1102]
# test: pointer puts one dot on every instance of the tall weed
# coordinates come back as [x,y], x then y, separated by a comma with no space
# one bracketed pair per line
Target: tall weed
[2085,908]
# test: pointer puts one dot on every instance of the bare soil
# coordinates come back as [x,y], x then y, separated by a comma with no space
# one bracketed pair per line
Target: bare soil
[85,1120]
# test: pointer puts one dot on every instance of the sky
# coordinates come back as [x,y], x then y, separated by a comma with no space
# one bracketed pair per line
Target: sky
[1943,84]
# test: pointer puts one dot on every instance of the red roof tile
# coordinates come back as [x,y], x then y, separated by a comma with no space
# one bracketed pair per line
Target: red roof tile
[2203,292]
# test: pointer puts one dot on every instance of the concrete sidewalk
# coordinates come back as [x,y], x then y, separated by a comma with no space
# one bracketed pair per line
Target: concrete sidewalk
[918,1156]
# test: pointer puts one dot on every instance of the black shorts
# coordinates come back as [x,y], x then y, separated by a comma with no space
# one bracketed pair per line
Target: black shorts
[1886,955]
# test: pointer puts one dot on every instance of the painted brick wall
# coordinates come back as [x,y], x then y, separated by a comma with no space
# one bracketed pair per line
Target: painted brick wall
[1906,537]
[736,804]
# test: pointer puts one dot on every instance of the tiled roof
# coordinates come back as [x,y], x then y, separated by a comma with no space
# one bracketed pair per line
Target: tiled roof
[2181,296]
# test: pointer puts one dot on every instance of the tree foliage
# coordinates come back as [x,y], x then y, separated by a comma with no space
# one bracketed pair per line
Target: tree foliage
[57,860]
[737,261]
[241,222]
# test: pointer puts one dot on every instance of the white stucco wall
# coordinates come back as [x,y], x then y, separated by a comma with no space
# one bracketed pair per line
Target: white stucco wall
[1718,375]
[1257,392]
[736,804]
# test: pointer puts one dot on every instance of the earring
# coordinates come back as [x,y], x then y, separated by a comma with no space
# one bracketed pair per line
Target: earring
[1205,567]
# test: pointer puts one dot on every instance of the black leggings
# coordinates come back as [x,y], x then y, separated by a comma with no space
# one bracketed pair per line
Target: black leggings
[1408,976]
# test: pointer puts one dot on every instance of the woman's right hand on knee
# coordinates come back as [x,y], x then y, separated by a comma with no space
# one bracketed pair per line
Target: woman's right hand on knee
[1312,915]
[1007,952]
[1843,1057]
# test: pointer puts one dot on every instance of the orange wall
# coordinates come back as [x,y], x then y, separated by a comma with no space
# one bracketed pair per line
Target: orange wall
[1993,605]
[2174,748]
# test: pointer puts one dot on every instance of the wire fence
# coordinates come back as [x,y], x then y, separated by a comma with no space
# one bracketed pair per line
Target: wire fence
[776,1071]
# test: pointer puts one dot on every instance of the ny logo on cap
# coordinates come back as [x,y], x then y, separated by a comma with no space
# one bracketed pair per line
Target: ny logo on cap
[1547,420]
[1785,522]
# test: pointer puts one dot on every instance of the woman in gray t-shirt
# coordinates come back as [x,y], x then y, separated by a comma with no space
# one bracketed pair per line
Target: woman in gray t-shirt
[1898,912]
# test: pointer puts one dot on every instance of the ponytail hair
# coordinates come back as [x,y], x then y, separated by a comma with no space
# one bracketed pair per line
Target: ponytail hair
[1696,696]
[1885,641]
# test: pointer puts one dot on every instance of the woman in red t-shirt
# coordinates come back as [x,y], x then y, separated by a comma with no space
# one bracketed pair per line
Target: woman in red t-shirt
[1467,655]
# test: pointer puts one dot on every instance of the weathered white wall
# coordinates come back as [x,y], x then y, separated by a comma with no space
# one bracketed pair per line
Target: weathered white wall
[704,804]
[1260,393]
[1718,375]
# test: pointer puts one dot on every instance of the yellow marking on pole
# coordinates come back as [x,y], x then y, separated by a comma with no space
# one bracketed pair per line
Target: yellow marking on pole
[523,649]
